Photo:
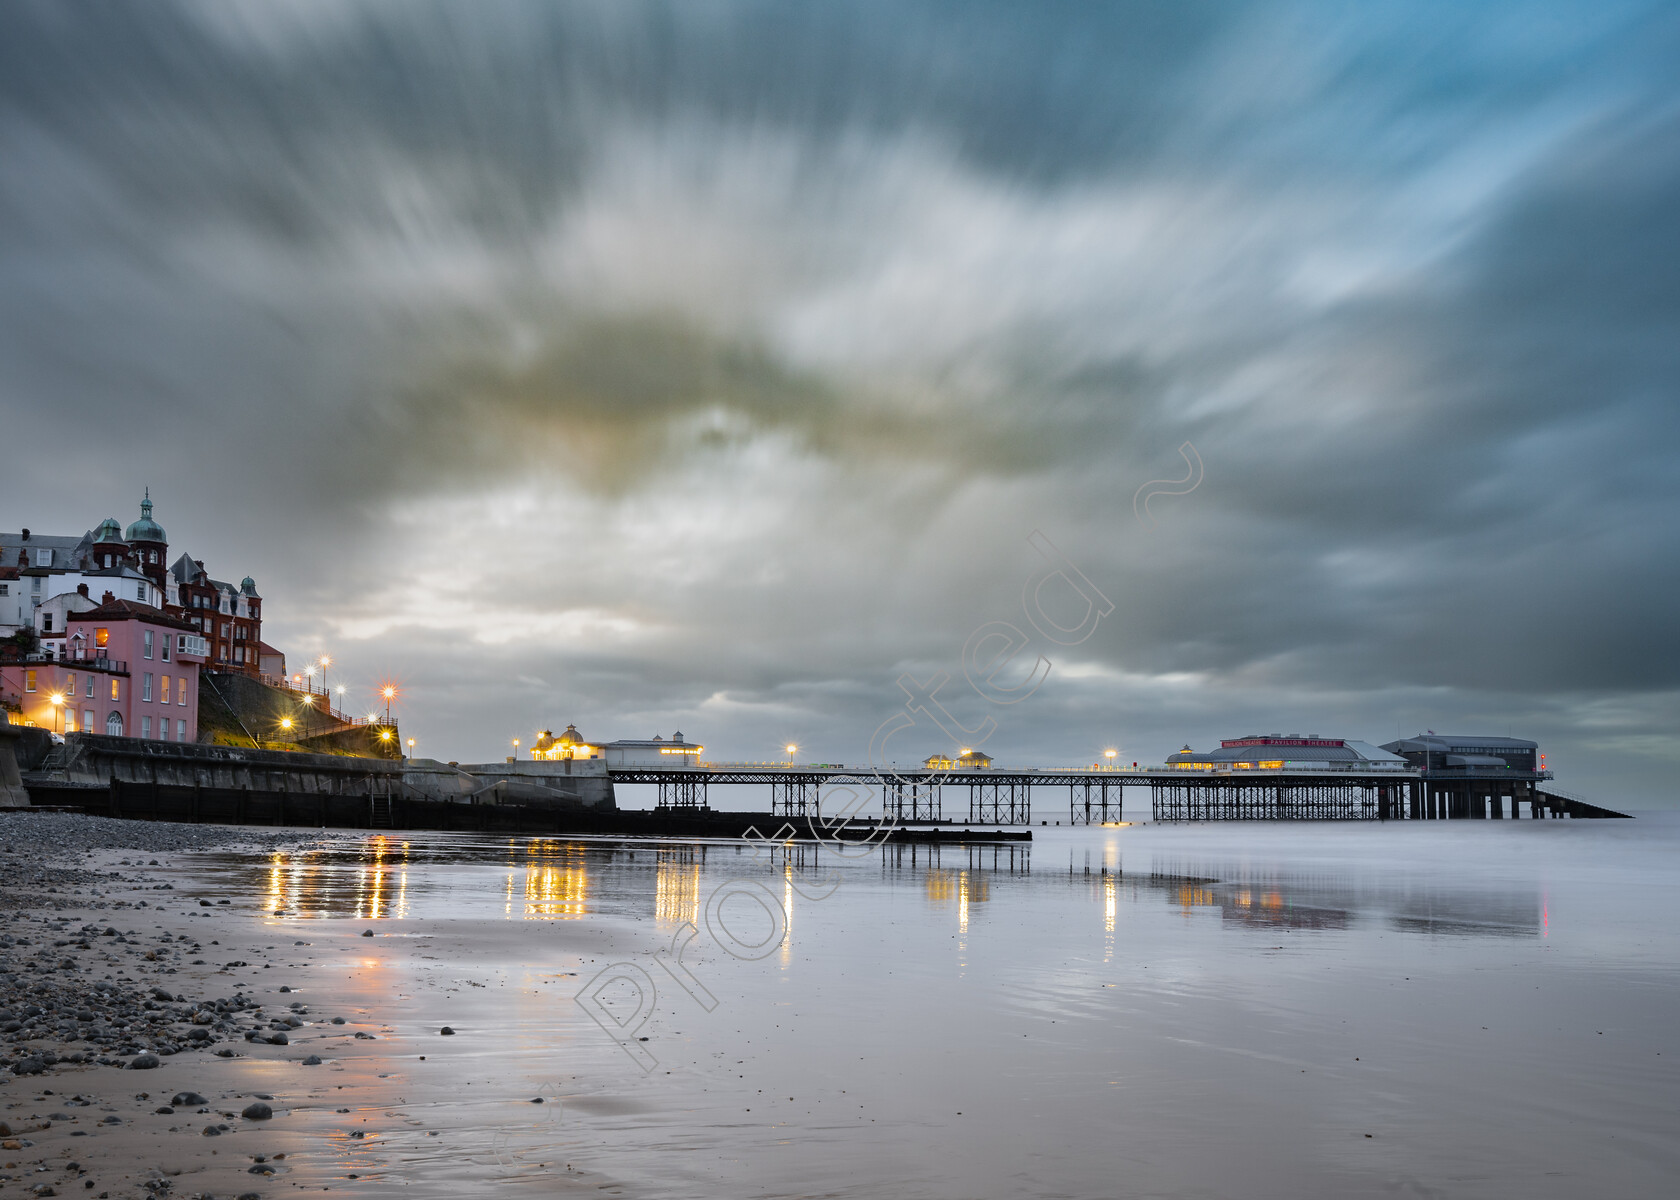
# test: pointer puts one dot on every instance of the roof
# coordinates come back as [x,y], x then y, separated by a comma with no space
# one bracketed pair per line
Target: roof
[130,610]
[264,648]
[146,529]
[1439,743]
[68,551]
[1344,750]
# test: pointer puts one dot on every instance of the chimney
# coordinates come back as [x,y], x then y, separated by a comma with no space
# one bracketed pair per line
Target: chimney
[107,598]
[82,589]
[26,535]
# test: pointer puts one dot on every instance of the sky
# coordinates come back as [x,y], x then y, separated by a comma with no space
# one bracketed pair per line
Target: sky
[712,366]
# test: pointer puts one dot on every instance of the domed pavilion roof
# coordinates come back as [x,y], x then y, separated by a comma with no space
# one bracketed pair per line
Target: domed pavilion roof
[146,529]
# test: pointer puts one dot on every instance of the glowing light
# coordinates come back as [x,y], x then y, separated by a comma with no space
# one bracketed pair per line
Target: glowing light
[56,698]
[792,749]
[285,722]
[384,735]
[388,692]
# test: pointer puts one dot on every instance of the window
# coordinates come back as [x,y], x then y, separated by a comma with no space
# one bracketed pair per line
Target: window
[29,681]
[140,592]
[46,622]
[181,690]
[70,684]
[116,694]
[145,727]
[146,687]
[87,720]
[35,585]
[165,696]
[101,637]
[180,731]
[5,589]
[239,655]
[153,554]
[90,696]
[43,558]
[148,651]
[113,723]
[166,640]
[163,728]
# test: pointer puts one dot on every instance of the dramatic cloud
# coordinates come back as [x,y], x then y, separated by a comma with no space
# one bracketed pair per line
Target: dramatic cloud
[707,366]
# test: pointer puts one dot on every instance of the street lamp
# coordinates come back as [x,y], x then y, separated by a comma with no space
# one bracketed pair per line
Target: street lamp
[1109,754]
[389,693]
[516,749]
[791,751]
[57,699]
[326,662]
[411,747]
[309,675]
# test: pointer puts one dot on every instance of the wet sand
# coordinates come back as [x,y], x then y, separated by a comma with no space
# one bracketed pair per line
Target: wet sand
[1246,1011]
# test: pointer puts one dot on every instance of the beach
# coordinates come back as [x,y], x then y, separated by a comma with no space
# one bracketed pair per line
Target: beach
[1234,1011]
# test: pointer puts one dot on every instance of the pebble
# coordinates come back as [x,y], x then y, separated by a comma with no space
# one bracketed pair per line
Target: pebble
[257,1112]
[446,1031]
[54,1010]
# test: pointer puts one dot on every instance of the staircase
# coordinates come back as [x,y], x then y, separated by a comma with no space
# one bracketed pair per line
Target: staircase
[379,812]
[1569,803]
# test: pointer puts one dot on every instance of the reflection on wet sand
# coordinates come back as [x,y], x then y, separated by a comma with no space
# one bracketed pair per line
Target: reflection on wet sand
[549,878]
[556,878]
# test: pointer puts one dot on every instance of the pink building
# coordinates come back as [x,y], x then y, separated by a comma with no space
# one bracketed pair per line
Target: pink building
[127,670]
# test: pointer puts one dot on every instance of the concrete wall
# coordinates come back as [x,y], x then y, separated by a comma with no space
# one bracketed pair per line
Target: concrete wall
[97,760]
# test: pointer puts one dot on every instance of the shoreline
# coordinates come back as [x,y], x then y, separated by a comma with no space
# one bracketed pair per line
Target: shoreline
[124,988]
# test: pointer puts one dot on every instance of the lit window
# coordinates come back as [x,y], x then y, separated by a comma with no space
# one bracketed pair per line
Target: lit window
[70,684]
[181,691]
[29,681]
[116,693]
[101,637]
[165,691]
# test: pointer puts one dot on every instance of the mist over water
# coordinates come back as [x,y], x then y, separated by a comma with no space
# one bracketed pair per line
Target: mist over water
[1473,1010]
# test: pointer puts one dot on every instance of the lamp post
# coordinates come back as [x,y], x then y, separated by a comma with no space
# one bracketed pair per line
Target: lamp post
[411,747]
[389,693]
[341,698]
[791,751]
[515,749]
[309,679]
[1109,754]
[326,661]
[286,727]
[57,700]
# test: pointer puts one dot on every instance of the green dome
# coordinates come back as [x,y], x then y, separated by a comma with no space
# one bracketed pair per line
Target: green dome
[108,531]
[248,586]
[146,529]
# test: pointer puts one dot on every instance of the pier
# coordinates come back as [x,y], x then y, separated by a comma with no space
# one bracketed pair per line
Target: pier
[1004,796]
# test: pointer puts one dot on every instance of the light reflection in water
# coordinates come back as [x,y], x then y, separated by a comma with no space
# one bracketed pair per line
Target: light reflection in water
[676,884]
[556,879]
[549,878]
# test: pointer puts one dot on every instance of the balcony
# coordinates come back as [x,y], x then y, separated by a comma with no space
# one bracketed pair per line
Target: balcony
[91,661]
[193,644]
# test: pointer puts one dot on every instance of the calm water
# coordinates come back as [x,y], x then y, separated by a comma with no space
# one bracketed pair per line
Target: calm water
[1484,1009]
